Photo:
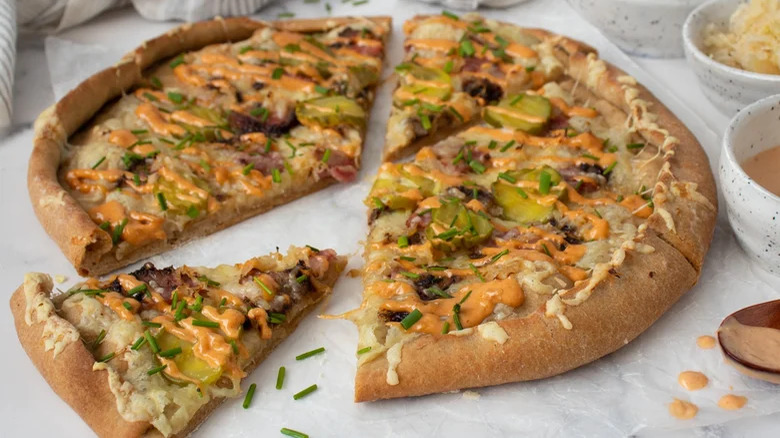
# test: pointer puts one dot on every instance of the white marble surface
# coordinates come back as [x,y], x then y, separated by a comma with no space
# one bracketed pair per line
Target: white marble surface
[622,394]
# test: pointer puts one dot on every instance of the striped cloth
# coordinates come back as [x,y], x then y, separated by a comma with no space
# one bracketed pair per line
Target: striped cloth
[7,59]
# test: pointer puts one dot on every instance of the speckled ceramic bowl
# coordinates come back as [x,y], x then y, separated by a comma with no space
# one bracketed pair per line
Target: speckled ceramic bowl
[640,27]
[729,89]
[754,212]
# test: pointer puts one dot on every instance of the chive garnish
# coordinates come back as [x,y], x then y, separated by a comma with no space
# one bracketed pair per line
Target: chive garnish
[152,324]
[140,288]
[136,179]
[204,323]
[449,14]
[117,233]
[546,251]
[249,394]
[361,2]
[320,89]
[170,353]
[635,146]
[285,15]
[107,357]
[233,346]
[161,200]
[508,145]
[312,248]
[466,48]
[545,181]
[198,305]
[99,162]
[151,97]
[407,258]
[326,156]
[222,302]
[448,67]
[507,177]
[138,343]
[156,370]
[105,225]
[476,272]
[302,278]
[280,378]
[309,354]
[291,432]
[263,286]
[530,68]
[492,144]
[438,291]
[174,299]
[248,168]
[127,305]
[476,166]
[155,82]
[267,145]
[99,339]
[244,49]
[445,328]
[592,157]
[193,212]
[517,99]
[522,193]
[305,392]
[277,73]
[175,97]
[276,176]
[597,213]
[411,275]
[178,315]
[411,319]
[403,242]
[499,255]
[619,198]
[609,168]
[456,316]
[276,318]
[176,61]
[364,350]
[425,121]
[447,235]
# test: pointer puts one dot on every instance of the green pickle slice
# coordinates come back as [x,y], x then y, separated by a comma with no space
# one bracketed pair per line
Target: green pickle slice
[189,365]
[526,112]
[516,203]
[388,190]
[454,227]
[330,112]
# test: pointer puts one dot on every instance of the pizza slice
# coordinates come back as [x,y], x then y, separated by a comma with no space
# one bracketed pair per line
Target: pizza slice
[155,351]
[540,239]
[198,129]
[453,67]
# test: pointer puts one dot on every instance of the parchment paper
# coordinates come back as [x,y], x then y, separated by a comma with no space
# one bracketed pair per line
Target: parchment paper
[624,393]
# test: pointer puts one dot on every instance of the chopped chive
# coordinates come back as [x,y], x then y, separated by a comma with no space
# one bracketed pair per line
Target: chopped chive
[193,212]
[151,97]
[507,177]
[280,378]
[546,251]
[522,193]
[326,156]
[276,176]
[517,99]
[447,235]
[127,305]
[171,352]
[152,324]
[465,297]
[635,146]
[403,242]
[476,272]
[175,97]
[431,107]
[411,275]
[407,258]
[545,181]
[597,213]
[302,278]
[312,248]
[285,15]
[117,233]
[99,339]
[438,291]
[203,323]
[140,288]
[445,328]
[592,157]
[178,315]
[174,299]
[99,162]
[499,255]
[578,185]
[411,319]
[476,166]
[425,121]
[492,144]
[156,370]
[361,2]
[105,225]
[364,350]
[291,432]
[249,394]
[222,302]
[305,392]
[449,14]
[138,343]
[161,200]
[309,354]
[155,81]
[508,145]
[244,49]
[619,198]
[248,168]
[233,346]
[177,61]
[466,48]
[320,89]
[456,316]
[530,68]
[136,179]
[448,67]
[436,268]
[277,73]
[152,342]
[609,168]
[276,318]
[107,357]
[263,286]
[267,145]
[198,305]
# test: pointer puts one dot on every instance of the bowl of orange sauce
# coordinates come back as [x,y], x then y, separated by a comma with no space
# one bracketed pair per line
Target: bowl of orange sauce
[750,180]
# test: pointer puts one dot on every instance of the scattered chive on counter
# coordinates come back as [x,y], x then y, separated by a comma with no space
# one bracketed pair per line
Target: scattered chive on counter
[309,354]
[249,394]
[280,378]
[293,433]
[301,394]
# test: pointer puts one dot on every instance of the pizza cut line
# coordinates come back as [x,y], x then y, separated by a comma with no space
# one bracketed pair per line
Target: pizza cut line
[201,128]
[154,351]
[556,227]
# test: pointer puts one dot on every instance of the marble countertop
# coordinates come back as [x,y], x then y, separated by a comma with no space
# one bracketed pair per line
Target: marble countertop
[120,31]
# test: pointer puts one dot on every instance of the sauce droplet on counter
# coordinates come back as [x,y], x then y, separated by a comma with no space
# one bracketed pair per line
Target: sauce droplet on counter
[705,342]
[762,167]
[683,410]
[692,380]
[731,402]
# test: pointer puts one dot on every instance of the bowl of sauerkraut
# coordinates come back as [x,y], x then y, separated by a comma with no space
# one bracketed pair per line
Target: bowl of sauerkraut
[733,46]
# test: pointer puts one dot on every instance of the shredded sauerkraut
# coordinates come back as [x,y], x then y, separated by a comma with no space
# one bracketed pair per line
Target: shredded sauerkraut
[752,41]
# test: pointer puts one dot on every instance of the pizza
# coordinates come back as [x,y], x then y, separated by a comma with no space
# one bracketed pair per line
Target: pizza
[200,128]
[552,230]
[153,352]
[452,69]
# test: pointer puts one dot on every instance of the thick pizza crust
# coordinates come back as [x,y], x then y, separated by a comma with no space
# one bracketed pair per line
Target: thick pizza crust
[620,307]
[87,391]
[84,244]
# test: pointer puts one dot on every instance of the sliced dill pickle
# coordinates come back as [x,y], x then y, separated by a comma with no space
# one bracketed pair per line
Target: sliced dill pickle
[366,76]
[423,73]
[212,115]
[518,206]
[331,111]
[189,365]
[390,190]
[454,227]
[526,112]
[535,174]
[179,200]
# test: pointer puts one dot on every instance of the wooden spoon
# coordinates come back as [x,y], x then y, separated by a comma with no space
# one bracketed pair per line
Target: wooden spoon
[750,340]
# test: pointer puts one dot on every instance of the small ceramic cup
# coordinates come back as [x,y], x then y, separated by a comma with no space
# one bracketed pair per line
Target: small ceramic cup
[729,89]
[754,212]
[640,27]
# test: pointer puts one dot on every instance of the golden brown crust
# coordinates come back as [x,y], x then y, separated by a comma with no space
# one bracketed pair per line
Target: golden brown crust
[539,346]
[71,376]
[620,307]
[84,244]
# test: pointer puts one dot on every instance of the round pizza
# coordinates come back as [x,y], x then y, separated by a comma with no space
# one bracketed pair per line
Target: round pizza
[561,213]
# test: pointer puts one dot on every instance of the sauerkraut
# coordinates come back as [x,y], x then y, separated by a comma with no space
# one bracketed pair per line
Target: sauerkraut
[752,41]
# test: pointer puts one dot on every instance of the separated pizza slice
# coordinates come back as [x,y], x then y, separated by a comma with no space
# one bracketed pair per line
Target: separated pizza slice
[205,126]
[454,66]
[551,233]
[155,351]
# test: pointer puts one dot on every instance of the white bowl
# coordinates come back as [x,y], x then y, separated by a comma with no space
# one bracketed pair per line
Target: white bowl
[640,27]
[729,89]
[754,212]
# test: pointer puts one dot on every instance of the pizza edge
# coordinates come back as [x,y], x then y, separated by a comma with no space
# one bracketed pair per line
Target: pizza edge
[538,346]
[68,368]
[83,243]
